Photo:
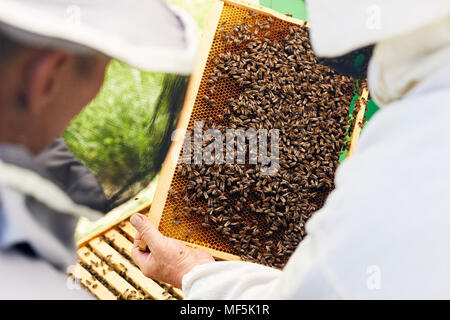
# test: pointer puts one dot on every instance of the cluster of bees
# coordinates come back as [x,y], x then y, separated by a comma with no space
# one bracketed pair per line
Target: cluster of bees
[281,85]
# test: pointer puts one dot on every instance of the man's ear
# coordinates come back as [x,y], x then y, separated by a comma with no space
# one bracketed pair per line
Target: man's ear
[41,75]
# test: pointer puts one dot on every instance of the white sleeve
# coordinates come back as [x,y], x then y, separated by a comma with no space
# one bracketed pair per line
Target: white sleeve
[234,280]
[231,280]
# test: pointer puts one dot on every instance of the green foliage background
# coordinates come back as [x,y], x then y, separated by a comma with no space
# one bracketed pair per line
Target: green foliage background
[111,133]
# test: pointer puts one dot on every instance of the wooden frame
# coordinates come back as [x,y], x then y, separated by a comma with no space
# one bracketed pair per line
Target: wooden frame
[170,163]
[106,270]
[359,118]
[105,267]
[109,225]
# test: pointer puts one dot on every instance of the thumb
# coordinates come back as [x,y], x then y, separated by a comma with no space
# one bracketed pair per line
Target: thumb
[147,229]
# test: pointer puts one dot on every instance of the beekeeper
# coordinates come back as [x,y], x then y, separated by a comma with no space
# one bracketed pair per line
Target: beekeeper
[384,231]
[53,56]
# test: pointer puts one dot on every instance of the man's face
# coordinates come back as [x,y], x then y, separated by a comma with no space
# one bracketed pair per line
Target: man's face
[42,91]
[75,87]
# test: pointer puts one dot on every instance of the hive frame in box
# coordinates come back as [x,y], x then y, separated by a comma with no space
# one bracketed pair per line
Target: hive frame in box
[105,267]
[170,164]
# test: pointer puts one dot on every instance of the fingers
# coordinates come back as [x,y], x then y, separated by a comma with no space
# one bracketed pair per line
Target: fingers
[169,259]
[140,243]
[137,238]
[139,257]
[147,231]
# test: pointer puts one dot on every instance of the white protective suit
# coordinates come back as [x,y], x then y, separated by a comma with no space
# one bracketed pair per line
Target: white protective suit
[384,231]
[37,223]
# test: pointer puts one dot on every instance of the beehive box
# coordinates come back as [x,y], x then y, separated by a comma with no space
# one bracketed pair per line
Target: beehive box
[225,15]
[106,269]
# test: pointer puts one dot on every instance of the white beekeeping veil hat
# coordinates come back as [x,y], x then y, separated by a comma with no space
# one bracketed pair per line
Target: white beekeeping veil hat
[340,26]
[411,37]
[148,34]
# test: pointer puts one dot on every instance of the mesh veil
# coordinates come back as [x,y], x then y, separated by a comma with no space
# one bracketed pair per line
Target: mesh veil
[123,136]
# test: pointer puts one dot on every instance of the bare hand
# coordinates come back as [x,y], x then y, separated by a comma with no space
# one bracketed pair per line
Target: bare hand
[169,259]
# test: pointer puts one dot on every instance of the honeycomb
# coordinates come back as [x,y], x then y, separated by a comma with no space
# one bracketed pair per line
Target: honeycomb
[190,229]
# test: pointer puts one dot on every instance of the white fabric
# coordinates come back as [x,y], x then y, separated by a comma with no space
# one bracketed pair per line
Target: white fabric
[40,277]
[23,277]
[338,27]
[383,232]
[146,34]
[26,278]
[398,64]
[19,226]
